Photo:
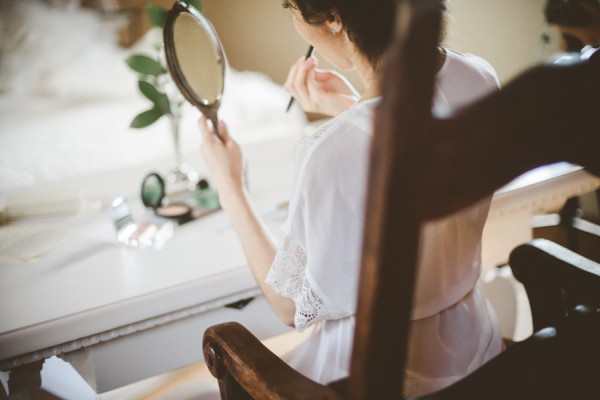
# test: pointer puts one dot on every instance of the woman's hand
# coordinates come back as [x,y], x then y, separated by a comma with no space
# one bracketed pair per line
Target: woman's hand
[225,162]
[319,91]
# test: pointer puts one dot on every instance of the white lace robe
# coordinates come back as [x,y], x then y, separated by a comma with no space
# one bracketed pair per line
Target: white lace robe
[453,330]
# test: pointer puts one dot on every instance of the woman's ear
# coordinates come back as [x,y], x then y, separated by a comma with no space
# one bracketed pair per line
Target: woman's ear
[334,23]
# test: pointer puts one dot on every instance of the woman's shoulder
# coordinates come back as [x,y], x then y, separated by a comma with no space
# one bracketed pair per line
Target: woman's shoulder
[346,132]
[463,79]
[342,148]
[469,66]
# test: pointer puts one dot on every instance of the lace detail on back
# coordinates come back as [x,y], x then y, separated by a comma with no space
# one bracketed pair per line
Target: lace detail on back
[288,278]
[311,137]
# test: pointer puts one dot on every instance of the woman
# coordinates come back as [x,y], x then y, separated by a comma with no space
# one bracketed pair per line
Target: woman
[311,277]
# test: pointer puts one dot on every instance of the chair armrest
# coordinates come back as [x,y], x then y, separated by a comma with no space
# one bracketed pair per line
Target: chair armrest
[246,368]
[556,280]
[542,262]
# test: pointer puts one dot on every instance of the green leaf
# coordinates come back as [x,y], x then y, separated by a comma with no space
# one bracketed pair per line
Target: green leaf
[196,3]
[160,100]
[145,65]
[157,14]
[146,118]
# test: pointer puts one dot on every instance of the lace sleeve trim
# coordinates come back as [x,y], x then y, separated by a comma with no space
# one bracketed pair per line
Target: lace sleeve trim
[288,278]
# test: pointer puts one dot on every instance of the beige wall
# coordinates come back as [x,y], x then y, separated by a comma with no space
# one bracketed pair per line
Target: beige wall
[256,34]
[505,32]
[259,35]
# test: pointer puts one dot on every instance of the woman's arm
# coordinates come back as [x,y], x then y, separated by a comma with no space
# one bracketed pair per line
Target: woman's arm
[225,161]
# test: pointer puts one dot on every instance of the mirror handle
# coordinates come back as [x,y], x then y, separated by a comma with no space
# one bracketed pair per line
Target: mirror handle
[211,114]
[215,122]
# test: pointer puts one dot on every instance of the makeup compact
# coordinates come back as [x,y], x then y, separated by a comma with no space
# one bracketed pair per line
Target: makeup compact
[181,205]
[153,197]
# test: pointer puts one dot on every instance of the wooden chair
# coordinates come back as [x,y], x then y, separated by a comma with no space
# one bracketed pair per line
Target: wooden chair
[418,169]
[561,360]
[557,280]
[576,226]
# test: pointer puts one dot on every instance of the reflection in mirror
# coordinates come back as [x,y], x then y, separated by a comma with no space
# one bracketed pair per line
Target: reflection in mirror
[195,58]
[202,67]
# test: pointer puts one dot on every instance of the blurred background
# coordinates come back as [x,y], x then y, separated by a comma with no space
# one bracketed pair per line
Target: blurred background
[258,34]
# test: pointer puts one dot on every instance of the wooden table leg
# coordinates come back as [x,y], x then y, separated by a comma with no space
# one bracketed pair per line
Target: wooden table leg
[25,378]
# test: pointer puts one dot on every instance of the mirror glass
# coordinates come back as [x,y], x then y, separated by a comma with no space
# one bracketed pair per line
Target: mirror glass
[201,67]
[195,58]
[153,190]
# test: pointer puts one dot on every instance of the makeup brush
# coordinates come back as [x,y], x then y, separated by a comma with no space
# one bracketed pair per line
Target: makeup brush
[308,54]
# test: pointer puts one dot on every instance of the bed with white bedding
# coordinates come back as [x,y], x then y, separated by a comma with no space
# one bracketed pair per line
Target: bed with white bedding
[67,98]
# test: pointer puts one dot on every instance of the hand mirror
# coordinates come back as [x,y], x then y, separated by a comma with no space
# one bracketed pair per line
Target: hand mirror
[195,59]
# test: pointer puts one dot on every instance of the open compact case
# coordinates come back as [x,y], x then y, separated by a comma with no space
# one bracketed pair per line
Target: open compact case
[181,206]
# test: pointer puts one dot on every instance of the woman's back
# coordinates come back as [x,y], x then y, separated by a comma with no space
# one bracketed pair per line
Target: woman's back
[325,226]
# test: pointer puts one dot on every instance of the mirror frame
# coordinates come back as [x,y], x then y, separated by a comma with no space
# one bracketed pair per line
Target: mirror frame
[210,109]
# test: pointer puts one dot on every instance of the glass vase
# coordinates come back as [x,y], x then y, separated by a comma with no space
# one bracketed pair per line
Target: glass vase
[181,174]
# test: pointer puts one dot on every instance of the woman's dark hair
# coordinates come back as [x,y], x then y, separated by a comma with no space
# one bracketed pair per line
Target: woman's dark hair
[575,13]
[369,23]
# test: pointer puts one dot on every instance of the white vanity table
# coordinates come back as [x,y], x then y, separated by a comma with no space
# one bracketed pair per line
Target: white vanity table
[121,314]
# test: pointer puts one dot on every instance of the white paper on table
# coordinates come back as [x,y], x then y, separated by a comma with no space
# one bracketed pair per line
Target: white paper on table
[45,203]
[28,243]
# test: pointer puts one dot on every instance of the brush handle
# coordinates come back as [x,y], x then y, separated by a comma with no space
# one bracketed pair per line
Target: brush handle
[308,54]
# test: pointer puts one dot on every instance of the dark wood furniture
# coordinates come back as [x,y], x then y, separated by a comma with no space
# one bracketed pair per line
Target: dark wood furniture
[576,226]
[562,359]
[557,280]
[421,168]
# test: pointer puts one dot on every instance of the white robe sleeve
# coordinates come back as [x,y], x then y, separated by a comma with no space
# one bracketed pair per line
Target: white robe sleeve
[288,278]
[317,263]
